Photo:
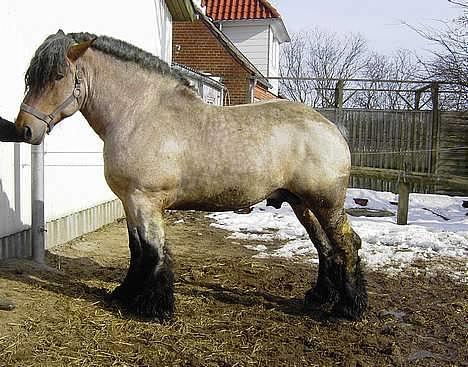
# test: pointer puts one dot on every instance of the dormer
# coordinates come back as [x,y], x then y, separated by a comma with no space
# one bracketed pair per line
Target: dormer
[256,29]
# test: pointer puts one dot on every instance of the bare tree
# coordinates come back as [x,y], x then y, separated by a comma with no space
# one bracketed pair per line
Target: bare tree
[326,57]
[376,68]
[321,55]
[380,92]
[449,61]
[332,56]
[294,65]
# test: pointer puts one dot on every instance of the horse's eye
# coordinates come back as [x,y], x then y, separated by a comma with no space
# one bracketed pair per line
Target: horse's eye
[59,76]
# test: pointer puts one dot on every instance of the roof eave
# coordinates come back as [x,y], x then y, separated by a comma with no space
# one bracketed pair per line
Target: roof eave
[181,10]
[281,31]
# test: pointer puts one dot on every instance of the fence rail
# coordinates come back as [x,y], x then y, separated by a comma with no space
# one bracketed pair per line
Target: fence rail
[404,181]
[454,182]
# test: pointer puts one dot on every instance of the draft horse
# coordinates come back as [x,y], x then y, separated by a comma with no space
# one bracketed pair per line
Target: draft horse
[164,148]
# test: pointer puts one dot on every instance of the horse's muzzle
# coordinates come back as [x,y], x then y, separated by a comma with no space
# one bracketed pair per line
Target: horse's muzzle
[32,135]
[27,134]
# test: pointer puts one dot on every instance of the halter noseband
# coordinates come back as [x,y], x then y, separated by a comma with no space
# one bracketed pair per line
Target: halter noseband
[48,119]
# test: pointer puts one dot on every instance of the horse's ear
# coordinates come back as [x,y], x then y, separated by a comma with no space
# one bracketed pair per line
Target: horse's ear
[61,33]
[77,50]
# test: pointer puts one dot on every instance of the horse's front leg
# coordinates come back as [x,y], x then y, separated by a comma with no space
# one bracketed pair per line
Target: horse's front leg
[148,288]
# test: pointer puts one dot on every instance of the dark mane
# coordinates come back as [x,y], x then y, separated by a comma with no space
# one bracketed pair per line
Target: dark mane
[49,61]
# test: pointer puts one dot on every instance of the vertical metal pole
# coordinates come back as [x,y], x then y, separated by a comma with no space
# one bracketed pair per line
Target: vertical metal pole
[37,203]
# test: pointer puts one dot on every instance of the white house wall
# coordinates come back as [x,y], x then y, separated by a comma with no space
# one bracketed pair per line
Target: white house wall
[251,40]
[74,172]
[257,41]
[14,213]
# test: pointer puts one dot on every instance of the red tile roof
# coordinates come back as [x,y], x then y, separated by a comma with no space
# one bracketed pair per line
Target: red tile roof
[239,9]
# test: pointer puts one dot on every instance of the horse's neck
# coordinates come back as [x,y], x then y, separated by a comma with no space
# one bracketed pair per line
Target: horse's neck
[119,93]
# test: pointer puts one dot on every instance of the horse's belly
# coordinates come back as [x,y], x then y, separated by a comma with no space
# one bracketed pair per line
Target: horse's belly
[229,198]
[212,207]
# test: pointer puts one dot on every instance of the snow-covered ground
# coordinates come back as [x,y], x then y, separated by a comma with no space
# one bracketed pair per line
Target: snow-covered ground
[437,229]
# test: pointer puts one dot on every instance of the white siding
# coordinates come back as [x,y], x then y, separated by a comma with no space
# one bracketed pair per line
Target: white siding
[162,40]
[252,41]
[257,41]
[23,26]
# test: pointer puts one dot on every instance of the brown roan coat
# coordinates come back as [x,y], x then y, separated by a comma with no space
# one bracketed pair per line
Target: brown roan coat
[164,148]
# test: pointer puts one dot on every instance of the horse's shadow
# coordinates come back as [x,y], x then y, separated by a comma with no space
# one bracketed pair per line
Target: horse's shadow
[49,278]
[72,281]
[291,306]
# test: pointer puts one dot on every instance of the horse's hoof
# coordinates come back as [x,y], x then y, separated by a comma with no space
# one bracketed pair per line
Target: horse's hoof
[116,295]
[312,300]
[152,300]
[149,304]
[316,302]
[154,304]
[323,296]
[121,296]
[353,298]
[342,296]
[351,310]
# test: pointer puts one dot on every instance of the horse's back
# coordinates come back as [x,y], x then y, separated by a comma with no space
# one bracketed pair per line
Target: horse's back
[289,124]
[263,116]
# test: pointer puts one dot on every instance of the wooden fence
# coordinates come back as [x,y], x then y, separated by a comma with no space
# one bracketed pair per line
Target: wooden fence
[452,159]
[420,142]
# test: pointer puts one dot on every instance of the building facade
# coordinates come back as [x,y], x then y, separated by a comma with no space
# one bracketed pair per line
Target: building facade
[202,46]
[256,28]
[74,177]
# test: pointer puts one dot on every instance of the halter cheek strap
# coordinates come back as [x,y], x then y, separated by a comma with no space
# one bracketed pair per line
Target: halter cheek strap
[49,119]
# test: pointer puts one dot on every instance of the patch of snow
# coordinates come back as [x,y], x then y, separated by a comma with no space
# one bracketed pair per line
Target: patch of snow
[386,245]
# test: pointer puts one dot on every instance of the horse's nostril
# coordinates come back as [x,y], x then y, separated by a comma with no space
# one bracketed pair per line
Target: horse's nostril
[27,134]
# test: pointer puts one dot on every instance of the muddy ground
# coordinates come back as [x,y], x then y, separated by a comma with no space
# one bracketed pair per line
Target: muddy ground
[232,310]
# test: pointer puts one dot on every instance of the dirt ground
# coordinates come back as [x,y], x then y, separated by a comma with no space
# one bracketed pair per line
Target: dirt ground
[232,310]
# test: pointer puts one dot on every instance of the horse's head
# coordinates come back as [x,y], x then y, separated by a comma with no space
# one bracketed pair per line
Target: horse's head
[54,86]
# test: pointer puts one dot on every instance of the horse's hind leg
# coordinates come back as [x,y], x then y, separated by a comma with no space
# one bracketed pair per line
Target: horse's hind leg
[324,292]
[341,277]
[148,288]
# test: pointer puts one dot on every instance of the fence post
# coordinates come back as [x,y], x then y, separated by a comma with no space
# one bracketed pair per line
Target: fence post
[435,129]
[417,100]
[37,203]
[403,203]
[339,94]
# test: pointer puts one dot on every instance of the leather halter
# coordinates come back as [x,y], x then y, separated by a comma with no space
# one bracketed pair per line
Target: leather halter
[48,119]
